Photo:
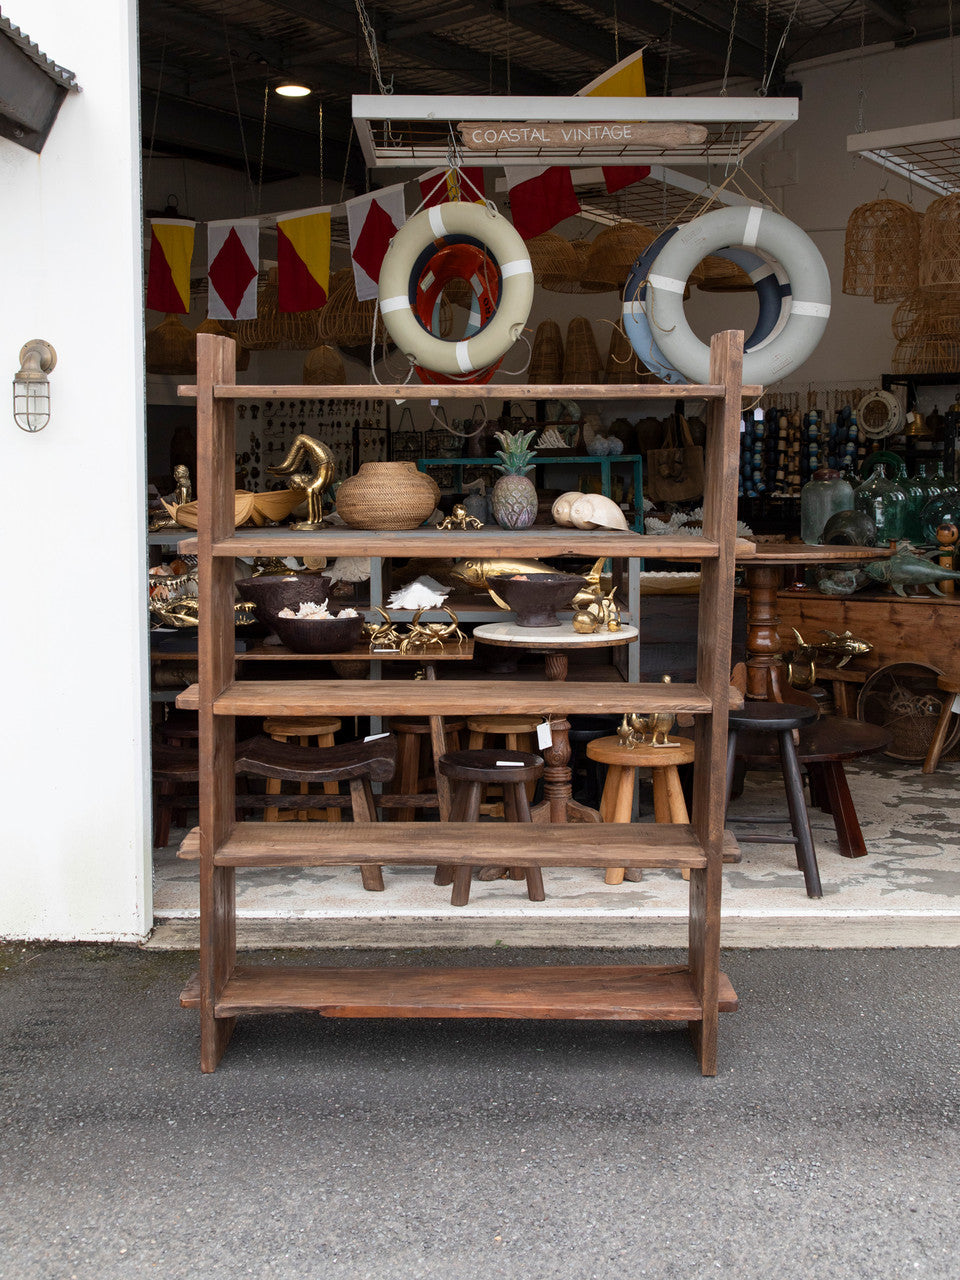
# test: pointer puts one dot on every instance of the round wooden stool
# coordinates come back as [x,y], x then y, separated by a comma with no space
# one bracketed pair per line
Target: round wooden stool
[301,729]
[179,728]
[357,763]
[470,772]
[176,779]
[780,719]
[616,802]
[415,754]
[518,733]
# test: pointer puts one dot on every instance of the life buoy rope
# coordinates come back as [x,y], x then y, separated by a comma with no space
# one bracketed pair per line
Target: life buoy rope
[430,230]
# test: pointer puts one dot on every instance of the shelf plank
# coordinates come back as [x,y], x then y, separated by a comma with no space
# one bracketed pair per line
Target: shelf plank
[476,844]
[472,391]
[449,697]
[601,992]
[360,653]
[489,541]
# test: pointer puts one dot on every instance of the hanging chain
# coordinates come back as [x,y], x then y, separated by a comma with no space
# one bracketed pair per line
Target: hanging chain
[669,55]
[766,41]
[320,139]
[346,163]
[506,14]
[861,91]
[616,34]
[263,142]
[726,65]
[783,41]
[953,64]
[236,97]
[156,108]
[370,36]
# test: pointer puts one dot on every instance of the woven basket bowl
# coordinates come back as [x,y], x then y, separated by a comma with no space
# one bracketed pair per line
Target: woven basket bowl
[386,495]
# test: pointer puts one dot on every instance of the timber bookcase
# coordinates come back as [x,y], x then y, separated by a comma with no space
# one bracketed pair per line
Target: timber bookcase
[695,992]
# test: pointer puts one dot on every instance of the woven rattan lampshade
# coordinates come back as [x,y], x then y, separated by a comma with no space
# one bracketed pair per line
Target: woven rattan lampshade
[581,359]
[276,330]
[927,312]
[566,276]
[881,250]
[940,244]
[719,275]
[546,359]
[323,367]
[216,327]
[171,347]
[612,254]
[346,321]
[932,354]
[552,257]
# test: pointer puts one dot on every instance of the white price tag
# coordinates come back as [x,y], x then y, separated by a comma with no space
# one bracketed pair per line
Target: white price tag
[544,734]
[372,737]
[910,417]
[509,764]
[758,415]
[434,403]
[956,705]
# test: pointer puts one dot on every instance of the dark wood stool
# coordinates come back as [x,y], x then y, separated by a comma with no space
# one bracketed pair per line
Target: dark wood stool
[176,780]
[308,731]
[470,772]
[179,728]
[357,763]
[822,750]
[414,750]
[951,687]
[781,719]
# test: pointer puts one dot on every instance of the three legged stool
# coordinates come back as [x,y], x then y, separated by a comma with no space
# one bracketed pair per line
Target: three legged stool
[307,731]
[780,718]
[616,802]
[357,763]
[519,733]
[470,772]
[414,745]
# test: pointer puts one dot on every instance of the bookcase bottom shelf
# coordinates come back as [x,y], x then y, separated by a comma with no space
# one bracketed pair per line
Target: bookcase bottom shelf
[582,992]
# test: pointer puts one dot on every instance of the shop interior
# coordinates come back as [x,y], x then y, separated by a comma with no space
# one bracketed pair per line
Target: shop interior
[841,543]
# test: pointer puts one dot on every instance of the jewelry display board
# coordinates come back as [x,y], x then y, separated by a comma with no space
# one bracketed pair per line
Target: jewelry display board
[355,430]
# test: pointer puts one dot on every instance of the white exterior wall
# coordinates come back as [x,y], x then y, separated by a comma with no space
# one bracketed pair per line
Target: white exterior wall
[74,838]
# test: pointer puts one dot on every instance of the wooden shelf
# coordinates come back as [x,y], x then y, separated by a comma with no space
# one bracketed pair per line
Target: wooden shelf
[473,391]
[448,697]
[360,653]
[331,844]
[603,992]
[487,542]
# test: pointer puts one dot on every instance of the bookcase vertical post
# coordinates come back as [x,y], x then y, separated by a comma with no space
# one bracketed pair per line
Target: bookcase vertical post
[714,639]
[216,363]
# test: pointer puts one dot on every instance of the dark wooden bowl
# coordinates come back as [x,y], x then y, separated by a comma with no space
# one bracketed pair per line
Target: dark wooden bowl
[271,592]
[318,635]
[536,597]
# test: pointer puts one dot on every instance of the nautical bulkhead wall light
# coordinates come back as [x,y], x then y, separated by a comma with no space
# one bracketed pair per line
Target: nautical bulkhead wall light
[31,387]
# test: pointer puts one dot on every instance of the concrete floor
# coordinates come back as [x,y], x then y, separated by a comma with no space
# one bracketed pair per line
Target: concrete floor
[827,1146]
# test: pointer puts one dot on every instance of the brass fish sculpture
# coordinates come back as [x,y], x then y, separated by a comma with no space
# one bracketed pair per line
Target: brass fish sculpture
[907,569]
[846,646]
[475,573]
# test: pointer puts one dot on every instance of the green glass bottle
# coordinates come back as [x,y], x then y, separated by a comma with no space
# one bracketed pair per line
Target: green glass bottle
[885,502]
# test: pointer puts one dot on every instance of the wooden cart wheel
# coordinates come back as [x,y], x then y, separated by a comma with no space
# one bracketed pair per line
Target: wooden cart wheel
[903,697]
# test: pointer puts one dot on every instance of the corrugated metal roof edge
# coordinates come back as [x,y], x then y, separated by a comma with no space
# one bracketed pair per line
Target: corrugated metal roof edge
[60,74]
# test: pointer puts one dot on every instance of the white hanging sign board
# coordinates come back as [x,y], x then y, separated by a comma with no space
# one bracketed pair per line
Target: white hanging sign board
[486,135]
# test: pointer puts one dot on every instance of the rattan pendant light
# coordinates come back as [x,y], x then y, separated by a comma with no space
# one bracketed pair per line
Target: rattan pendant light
[552,257]
[581,359]
[345,321]
[546,359]
[612,253]
[940,244]
[324,367]
[171,347]
[276,330]
[719,275]
[881,251]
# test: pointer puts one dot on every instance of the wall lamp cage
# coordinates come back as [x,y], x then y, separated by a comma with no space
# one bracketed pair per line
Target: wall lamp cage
[31,387]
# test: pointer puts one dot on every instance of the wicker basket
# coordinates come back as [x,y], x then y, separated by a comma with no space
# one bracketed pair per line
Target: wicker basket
[345,321]
[881,250]
[623,365]
[323,367]
[386,495]
[546,360]
[581,359]
[719,275]
[926,312]
[940,245]
[552,258]
[171,347]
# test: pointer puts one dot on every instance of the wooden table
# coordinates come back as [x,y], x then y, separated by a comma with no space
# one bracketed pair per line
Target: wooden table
[766,670]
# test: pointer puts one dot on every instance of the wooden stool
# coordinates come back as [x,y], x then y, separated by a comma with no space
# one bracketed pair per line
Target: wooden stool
[951,687]
[302,729]
[616,802]
[179,729]
[781,718]
[470,772]
[413,749]
[518,733]
[358,763]
[172,767]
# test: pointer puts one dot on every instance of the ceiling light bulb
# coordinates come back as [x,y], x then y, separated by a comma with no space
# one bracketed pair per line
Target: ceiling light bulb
[293,90]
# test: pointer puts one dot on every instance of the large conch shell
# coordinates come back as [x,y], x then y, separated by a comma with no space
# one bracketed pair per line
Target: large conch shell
[588,511]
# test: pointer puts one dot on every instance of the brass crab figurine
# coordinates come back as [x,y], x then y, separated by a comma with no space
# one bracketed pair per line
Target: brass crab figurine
[423,635]
[382,635]
[459,518]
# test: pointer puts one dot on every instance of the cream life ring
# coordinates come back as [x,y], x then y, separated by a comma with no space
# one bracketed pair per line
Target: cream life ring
[397,288]
[773,299]
[751,227]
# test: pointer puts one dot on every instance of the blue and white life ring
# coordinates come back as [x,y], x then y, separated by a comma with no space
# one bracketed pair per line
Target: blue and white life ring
[753,228]
[773,299]
[400,271]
